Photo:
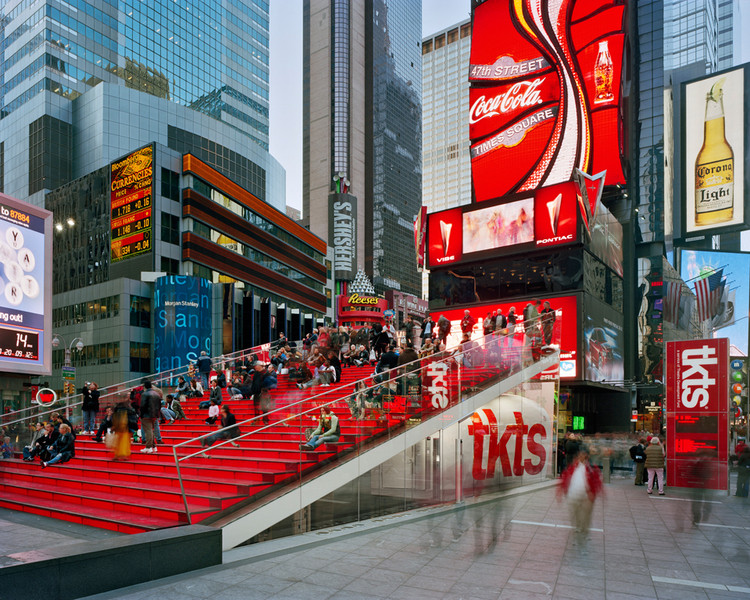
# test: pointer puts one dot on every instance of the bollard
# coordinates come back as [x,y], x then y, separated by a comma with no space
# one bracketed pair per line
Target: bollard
[606,468]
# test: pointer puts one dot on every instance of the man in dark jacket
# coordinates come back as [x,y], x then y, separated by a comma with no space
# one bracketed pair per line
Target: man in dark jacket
[256,385]
[204,368]
[90,394]
[150,412]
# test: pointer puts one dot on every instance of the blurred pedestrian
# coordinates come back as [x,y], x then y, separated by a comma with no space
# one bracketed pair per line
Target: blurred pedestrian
[743,472]
[581,483]
[572,448]
[655,465]
[638,454]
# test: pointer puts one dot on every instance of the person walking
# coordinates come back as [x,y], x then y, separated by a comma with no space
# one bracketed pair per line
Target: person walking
[581,483]
[90,407]
[655,465]
[204,368]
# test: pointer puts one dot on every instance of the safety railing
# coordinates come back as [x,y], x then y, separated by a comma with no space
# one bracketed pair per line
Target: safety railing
[369,412]
[19,425]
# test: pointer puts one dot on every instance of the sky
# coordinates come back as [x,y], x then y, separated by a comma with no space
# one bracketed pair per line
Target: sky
[286,78]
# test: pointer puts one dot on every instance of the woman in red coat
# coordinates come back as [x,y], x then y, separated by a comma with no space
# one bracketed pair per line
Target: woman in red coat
[581,484]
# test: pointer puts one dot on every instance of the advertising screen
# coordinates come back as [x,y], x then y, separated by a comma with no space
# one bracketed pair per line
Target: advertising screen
[714,124]
[603,343]
[545,95]
[548,217]
[734,303]
[182,321]
[698,413]
[606,239]
[131,192]
[25,287]
[565,329]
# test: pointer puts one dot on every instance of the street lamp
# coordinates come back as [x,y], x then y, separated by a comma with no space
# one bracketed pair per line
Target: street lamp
[57,339]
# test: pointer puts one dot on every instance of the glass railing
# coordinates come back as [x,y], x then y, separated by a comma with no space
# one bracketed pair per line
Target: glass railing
[19,425]
[403,428]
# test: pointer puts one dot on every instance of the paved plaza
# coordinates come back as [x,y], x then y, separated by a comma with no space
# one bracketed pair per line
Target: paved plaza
[517,546]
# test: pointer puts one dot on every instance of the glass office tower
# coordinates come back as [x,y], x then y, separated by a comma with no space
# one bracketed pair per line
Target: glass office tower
[208,56]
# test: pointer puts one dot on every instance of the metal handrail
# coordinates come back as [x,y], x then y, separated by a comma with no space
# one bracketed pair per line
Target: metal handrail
[126,385]
[458,356]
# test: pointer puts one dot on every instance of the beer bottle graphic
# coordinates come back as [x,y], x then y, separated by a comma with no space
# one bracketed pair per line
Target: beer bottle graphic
[714,165]
[603,74]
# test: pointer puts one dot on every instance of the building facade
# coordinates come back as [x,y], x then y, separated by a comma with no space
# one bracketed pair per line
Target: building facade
[362,134]
[210,59]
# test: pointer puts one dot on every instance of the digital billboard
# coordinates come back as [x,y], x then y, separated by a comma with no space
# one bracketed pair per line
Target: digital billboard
[545,95]
[547,217]
[603,343]
[698,413]
[25,287]
[131,198]
[734,303]
[565,328]
[713,153]
[182,320]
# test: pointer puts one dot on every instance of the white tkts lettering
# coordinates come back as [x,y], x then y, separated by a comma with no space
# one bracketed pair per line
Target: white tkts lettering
[438,388]
[695,376]
[520,95]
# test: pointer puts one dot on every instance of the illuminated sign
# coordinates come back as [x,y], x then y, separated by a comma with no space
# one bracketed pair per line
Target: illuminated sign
[131,198]
[25,287]
[545,95]
[342,234]
[713,155]
[697,413]
[548,217]
[357,299]
[445,236]
[564,330]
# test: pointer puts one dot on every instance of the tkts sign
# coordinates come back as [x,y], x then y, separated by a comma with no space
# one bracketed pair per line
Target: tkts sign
[545,95]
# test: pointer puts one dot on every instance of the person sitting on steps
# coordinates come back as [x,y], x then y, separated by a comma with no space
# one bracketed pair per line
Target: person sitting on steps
[328,430]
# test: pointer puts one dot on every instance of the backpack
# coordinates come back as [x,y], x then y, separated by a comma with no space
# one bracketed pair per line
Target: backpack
[636,453]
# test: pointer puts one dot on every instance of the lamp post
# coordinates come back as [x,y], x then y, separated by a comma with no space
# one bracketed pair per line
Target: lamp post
[68,369]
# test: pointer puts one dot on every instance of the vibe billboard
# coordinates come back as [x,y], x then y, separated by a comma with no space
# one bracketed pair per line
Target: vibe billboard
[714,125]
[25,288]
[698,413]
[545,95]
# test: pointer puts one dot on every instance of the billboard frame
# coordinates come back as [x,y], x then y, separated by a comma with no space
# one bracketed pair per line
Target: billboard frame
[684,234]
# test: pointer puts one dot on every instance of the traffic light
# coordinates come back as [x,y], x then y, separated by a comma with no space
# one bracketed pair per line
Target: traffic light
[738,388]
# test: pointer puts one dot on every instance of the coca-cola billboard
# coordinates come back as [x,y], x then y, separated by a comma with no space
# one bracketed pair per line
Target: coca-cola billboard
[698,413]
[545,95]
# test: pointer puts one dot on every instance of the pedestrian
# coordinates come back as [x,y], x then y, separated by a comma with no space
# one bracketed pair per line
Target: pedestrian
[328,430]
[64,447]
[444,329]
[150,413]
[213,412]
[581,483]
[548,318]
[743,472]
[571,449]
[204,367]
[120,424]
[90,394]
[655,464]
[638,454]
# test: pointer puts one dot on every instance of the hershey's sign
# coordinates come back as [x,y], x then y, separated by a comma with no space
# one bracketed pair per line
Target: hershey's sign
[342,234]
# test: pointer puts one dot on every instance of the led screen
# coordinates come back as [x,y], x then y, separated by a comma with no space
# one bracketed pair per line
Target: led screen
[544,95]
[499,226]
[25,287]
[131,194]
[603,344]
[565,327]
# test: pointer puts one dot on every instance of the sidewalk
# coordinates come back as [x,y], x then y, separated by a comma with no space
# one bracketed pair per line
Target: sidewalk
[513,547]
[516,547]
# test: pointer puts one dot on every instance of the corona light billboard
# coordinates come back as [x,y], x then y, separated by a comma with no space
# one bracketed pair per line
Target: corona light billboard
[545,95]
[715,136]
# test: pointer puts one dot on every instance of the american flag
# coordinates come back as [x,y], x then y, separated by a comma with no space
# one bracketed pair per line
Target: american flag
[708,292]
[672,301]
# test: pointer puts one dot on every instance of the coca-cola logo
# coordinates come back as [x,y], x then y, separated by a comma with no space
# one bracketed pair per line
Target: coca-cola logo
[484,428]
[520,95]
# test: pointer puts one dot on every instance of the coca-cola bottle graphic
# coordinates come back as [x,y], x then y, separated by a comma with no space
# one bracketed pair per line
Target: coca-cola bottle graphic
[603,74]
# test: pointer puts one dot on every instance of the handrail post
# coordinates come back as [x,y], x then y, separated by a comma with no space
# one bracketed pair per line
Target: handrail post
[182,485]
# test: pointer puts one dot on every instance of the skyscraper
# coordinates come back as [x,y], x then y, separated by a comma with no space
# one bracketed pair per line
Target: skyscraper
[362,131]
[209,57]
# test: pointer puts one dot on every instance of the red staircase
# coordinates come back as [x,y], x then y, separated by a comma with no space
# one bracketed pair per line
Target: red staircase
[143,493]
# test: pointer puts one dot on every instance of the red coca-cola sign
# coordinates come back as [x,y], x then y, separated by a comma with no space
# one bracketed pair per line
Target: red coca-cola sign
[545,95]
